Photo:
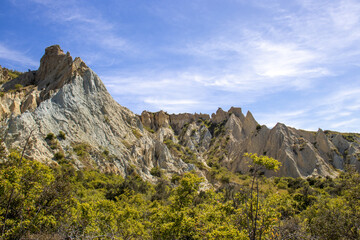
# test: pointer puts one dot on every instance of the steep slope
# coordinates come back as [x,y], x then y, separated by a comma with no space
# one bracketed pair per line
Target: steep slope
[226,136]
[69,97]
[71,117]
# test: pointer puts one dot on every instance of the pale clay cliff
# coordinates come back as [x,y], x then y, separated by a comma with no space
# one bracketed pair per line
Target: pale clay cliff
[66,95]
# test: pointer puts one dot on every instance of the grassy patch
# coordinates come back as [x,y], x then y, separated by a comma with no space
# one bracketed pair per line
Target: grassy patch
[126,144]
[185,153]
[351,137]
[149,129]
[13,74]
[136,133]
[82,149]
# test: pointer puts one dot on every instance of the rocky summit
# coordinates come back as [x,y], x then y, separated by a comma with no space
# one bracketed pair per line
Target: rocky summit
[69,116]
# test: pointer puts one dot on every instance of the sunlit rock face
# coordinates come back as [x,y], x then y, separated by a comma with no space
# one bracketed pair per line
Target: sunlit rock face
[66,95]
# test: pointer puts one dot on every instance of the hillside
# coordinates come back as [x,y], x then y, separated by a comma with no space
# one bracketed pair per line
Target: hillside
[66,110]
[74,164]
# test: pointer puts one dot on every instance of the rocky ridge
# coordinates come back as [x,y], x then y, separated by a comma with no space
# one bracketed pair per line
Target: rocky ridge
[64,97]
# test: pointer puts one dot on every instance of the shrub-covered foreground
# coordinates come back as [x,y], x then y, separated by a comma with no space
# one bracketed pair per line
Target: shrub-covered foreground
[39,202]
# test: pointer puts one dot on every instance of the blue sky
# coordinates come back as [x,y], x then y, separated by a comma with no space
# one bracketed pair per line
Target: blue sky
[295,62]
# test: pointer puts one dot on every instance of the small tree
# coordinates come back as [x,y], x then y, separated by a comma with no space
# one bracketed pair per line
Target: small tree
[257,167]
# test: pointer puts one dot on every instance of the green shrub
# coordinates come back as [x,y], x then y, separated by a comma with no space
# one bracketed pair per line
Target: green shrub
[82,149]
[193,132]
[126,144]
[136,133]
[13,74]
[59,156]
[225,178]
[156,171]
[50,136]
[106,119]
[106,152]
[149,129]
[61,135]
[18,86]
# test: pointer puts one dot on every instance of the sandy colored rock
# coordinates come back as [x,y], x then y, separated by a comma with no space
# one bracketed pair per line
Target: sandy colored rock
[66,95]
[220,116]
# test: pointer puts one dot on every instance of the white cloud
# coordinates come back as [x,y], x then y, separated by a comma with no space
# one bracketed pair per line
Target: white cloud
[291,118]
[345,123]
[298,49]
[84,24]
[16,56]
[274,60]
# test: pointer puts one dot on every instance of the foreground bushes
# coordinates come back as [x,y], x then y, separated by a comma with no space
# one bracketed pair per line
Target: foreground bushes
[42,202]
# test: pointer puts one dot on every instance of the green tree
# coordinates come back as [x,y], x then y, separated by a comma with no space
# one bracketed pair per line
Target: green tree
[21,187]
[260,215]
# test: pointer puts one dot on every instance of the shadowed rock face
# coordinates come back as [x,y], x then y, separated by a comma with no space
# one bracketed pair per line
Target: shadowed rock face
[66,95]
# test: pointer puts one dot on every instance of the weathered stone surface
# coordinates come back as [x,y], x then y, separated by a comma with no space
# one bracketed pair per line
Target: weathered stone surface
[178,121]
[238,113]
[147,119]
[78,104]
[161,119]
[4,76]
[65,95]
[220,116]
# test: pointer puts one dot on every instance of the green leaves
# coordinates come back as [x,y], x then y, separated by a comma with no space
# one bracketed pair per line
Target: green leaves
[264,161]
[90,204]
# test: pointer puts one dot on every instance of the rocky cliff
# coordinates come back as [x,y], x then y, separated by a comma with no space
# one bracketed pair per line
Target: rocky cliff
[71,117]
[226,136]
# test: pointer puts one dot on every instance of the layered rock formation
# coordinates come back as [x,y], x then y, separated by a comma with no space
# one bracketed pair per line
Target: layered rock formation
[71,98]
[4,75]
[226,136]
[64,97]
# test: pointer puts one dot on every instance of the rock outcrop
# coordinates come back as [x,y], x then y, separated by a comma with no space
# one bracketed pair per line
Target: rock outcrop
[4,75]
[71,98]
[64,97]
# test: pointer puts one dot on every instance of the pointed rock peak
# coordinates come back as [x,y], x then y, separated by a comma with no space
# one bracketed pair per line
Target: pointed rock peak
[320,131]
[57,68]
[250,117]
[281,129]
[280,125]
[219,110]
[322,142]
[53,51]
[162,119]
[237,112]
[320,135]
[78,62]
[219,116]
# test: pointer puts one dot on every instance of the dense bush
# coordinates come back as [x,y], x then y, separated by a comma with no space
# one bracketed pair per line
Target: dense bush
[39,202]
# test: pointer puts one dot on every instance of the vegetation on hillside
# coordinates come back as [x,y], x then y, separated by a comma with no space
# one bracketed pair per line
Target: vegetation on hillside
[12,74]
[42,202]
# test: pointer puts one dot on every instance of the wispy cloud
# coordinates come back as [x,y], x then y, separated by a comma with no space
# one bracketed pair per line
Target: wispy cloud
[84,23]
[293,61]
[337,110]
[18,57]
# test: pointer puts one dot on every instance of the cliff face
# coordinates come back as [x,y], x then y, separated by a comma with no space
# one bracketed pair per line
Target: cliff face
[65,97]
[226,136]
[99,132]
